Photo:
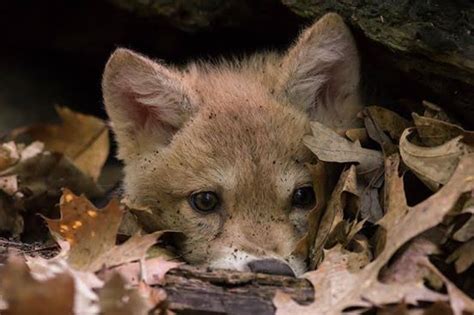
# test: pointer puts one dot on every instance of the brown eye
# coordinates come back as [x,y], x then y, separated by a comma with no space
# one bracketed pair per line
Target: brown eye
[205,201]
[303,197]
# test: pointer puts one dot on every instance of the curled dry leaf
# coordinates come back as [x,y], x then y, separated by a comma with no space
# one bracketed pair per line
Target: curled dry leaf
[324,222]
[434,111]
[26,295]
[91,234]
[340,287]
[433,165]
[434,132]
[331,147]
[84,139]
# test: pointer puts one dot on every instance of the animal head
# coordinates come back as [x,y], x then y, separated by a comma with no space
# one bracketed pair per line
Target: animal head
[215,151]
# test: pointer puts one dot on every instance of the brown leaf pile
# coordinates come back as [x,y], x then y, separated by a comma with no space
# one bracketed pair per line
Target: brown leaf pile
[404,267]
[91,274]
[396,235]
[94,272]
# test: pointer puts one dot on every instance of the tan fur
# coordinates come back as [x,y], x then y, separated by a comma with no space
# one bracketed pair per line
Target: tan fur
[234,128]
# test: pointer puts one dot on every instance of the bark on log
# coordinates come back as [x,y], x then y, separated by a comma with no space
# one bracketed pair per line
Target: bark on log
[431,41]
[198,291]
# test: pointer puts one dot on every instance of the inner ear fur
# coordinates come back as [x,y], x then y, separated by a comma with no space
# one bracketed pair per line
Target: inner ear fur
[147,102]
[321,71]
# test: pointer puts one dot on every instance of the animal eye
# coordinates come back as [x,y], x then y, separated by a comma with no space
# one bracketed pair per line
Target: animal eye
[303,197]
[205,201]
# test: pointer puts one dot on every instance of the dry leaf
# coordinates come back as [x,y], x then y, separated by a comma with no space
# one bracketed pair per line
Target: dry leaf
[117,298]
[434,132]
[9,184]
[340,283]
[46,173]
[150,271]
[410,265]
[337,288]
[333,214]
[331,147]
[388,121]
[460,303]
[434,111]
[433,165]
[82,138]
[466,232]
[9,155]
[375,130]
[357,135]
[85,298]
[25,295]
[91,234]
[463,257]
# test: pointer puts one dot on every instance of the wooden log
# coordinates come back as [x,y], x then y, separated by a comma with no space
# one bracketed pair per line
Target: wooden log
[194,290]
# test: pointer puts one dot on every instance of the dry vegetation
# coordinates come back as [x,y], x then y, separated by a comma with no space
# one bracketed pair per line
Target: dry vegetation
[396,236]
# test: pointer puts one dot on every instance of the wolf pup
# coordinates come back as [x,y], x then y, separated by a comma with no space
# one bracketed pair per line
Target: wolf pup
[215,150]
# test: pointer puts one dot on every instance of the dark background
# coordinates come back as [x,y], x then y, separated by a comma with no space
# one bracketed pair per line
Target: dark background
[53,52]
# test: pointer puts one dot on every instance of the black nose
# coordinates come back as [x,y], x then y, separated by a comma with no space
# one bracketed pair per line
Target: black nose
[271,266]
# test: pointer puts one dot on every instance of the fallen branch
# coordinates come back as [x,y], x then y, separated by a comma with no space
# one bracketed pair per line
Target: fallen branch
[193,290]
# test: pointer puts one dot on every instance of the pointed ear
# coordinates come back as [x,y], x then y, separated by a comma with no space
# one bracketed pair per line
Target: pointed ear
[322,68]
[146,102]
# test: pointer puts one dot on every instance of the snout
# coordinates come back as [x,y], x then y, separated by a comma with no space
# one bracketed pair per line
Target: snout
[271,266]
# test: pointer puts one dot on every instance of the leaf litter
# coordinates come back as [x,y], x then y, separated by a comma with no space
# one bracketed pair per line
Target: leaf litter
[369,248]
[90,273]
[400,272]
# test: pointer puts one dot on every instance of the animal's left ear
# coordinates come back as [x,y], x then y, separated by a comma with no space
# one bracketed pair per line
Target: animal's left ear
[321,71]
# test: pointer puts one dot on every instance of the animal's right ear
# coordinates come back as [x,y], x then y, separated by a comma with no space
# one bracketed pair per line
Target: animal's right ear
[146,102]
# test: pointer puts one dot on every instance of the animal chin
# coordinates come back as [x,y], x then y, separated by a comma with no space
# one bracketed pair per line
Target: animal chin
[239,261]
[231,260]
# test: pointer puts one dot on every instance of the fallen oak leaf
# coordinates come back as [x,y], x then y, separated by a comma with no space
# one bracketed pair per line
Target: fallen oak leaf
[91,234]
[26,295]
[82,138]
[340,289]
[341,281]
[85,283]
[433,165]
[460,302]
[328,146]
